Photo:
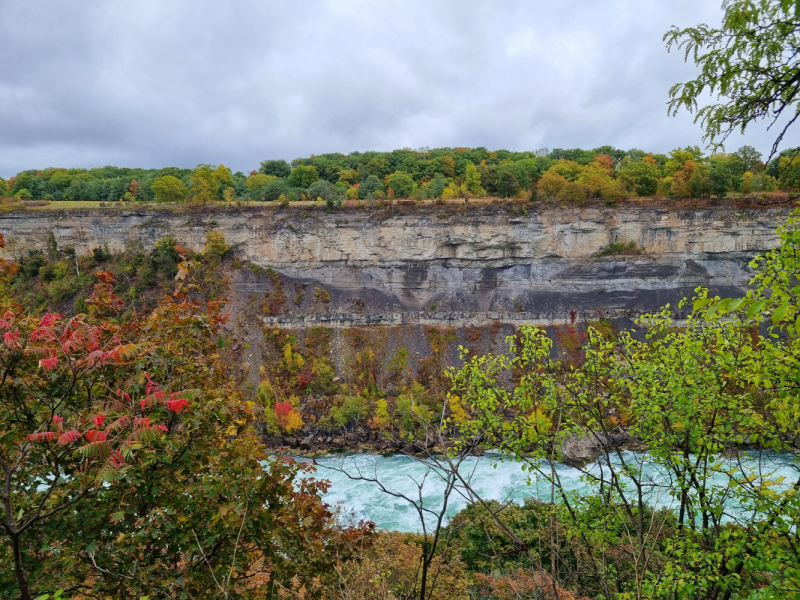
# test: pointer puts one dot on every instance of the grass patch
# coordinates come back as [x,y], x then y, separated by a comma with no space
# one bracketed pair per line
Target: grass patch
[615,248]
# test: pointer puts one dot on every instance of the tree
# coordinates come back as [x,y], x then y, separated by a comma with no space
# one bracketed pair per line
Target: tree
[507,184]
[550,185]
[639,176]
[379,167]
[401,183]
[747,158]
[689,395]
[369,186]
[131,466]
[168,188]
[321,189]
[569,169]
[746,187]
[348,176]
[448,166]
[275,188]
[205,186]
[789,169]
[257,183]
[472,182]
[720,177]
[752,62]
[276,168]
[223,175]
[303,176]
[436,186]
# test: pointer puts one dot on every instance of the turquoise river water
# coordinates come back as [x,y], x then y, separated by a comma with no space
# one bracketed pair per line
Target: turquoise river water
[492,479]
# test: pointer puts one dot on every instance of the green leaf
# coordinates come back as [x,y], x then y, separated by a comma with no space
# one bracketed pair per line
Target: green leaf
[779,314]
[755,308]
[734,304]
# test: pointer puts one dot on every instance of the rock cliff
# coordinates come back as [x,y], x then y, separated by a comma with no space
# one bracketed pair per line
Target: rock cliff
[438,264]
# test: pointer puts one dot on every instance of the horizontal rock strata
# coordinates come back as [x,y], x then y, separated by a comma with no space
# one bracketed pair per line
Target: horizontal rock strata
[440,266]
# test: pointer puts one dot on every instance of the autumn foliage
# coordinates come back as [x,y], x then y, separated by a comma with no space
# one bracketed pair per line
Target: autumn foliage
[130,466]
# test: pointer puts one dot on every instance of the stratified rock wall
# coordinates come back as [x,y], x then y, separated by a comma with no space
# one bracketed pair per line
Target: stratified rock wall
[437,265]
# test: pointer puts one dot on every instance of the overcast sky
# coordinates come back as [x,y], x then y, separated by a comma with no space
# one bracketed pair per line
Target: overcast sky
[155,83]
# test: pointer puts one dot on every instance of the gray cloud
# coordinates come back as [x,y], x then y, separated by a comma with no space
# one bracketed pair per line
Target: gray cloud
[92,82]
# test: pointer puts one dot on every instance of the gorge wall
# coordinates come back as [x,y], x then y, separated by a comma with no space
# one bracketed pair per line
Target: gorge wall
[439,264]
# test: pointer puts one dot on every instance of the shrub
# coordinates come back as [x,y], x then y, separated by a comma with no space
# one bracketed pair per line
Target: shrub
[354,409]
[215,244]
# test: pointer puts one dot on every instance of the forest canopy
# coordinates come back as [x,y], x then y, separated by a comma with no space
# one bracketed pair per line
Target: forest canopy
[568,175]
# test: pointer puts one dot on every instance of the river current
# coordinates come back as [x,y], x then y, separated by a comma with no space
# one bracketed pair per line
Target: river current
[491,478]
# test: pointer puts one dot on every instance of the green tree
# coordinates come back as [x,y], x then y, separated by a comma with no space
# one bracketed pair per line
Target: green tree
[379,167]
[168,188]
[276,168]
[401,183]
[321,189]
[436,186]
[639,176]
[507,184]
[303,176]
[720,176]
[275,189]
[257,183]
[750,62]
[205,186]
[472,182]
[369,186]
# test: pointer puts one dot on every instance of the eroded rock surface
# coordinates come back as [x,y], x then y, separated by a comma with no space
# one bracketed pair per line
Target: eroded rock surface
[434,265]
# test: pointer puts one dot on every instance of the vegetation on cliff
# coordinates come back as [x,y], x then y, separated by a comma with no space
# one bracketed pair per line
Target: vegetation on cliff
[571,176]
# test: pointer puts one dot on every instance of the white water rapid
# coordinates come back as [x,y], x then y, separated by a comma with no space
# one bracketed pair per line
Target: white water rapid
[493,480]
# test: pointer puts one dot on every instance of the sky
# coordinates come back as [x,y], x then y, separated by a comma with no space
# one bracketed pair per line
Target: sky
[86,83]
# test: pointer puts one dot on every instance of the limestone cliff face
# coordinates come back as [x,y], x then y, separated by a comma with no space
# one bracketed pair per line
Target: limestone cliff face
[439,265]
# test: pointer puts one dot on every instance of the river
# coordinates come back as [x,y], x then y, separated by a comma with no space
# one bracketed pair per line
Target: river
[491,479]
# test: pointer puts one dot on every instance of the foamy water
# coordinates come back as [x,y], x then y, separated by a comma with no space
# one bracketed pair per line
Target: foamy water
[491,479]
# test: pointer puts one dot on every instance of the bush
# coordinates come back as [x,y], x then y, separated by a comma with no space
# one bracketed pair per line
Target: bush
[165,257]
[354,409]
[216,245]
[101,254]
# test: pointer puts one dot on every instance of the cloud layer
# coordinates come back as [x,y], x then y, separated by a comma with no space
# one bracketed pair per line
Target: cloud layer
[93,82]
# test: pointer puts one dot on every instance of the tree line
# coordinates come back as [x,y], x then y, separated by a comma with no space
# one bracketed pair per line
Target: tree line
[567,175]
